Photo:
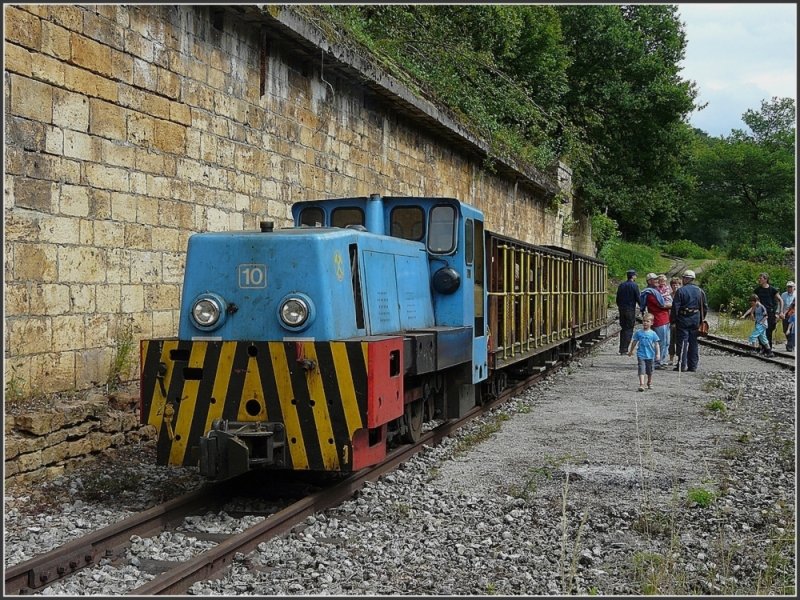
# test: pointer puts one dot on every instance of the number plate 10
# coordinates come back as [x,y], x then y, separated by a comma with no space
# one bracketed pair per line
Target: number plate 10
[252,275]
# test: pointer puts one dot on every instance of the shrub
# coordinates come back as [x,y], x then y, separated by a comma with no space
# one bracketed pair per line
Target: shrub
[604,229]
[766,252]
[686,249]
[621,256]
[730,283]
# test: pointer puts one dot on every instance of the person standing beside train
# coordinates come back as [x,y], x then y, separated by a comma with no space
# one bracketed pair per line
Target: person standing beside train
[689,305]
[653,302]
[771,299]
[627,300]
[789,298]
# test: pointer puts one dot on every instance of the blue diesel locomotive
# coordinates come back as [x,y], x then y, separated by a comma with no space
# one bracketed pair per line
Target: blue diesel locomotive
[315,347]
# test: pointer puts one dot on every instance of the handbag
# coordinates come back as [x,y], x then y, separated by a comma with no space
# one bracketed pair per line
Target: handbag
[702,330]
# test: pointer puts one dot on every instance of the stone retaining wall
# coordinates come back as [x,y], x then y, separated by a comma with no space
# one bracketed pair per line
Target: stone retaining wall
[131,127]
[43,443]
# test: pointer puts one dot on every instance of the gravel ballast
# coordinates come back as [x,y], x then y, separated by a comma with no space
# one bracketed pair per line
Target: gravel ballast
[580,485]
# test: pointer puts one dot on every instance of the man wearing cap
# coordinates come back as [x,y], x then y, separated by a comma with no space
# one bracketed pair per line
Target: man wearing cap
[627,300]
[689,304]
[788,298]
[770,297]
[651,300]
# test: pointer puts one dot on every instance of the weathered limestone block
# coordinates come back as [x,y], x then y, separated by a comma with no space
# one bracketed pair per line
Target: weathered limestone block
[12,447]
[40,423]
[55,454]
[98,441]
[29,461]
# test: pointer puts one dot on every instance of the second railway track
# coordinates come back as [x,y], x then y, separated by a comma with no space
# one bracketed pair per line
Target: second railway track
[782,359]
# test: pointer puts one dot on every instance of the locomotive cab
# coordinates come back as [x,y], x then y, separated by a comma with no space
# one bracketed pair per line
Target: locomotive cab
[451,235]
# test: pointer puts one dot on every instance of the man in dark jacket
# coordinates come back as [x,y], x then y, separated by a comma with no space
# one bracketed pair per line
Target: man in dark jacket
[770,297]
[627,301]
[689,307]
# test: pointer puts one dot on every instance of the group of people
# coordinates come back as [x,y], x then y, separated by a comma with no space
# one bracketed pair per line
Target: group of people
[767,305]
[672,316]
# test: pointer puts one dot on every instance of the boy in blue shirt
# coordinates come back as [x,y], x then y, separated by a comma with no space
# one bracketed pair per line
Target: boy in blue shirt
[645,341]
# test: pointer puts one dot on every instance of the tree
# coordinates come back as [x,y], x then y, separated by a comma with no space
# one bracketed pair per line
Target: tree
[745,182]
[595,86]
[630,105]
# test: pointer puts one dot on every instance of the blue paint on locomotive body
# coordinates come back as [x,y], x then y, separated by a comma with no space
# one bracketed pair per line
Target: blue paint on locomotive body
[257,271]
[418,266]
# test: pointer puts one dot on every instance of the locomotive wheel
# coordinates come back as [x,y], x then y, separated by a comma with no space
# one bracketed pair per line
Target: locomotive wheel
[413,419]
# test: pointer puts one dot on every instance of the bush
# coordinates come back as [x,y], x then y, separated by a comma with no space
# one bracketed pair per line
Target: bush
[766,252]
[686,249]
[621,256]
[730,283]
[604,229]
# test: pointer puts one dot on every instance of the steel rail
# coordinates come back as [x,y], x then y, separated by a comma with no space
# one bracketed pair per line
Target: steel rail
[745,349]
[87,550]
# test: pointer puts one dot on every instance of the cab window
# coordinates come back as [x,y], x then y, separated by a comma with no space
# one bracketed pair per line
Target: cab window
[342,217]
[469,241]
[312,217]
[408,222]
[442,230]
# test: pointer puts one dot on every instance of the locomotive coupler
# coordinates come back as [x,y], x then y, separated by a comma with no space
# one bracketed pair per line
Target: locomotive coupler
[234,447]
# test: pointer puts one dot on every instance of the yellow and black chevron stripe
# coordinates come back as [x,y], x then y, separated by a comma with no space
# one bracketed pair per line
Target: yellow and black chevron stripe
[320,407]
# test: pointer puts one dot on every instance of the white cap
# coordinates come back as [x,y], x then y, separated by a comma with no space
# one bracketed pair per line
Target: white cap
[651,276]
[790,284]
[688,273]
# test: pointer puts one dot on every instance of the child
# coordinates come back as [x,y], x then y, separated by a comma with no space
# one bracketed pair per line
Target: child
[648,350]
[666,290]
[759,333]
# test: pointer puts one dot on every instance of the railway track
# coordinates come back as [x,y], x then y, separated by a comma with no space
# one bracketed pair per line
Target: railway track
[783,359]
[110,542]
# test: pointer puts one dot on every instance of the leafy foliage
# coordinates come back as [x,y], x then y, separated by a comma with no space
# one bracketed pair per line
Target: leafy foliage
[499,68]
[745,182]
[604,229]
[596,86]
[686,249]
[765,252]
[627,100]
[621,256]
[599,87]
[730,283]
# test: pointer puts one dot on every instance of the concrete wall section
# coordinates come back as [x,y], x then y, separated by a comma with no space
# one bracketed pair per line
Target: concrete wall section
[130,127]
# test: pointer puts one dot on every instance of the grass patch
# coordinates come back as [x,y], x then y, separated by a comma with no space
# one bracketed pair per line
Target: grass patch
[700,497]
[779,557]
[650,523]
[124,356]
[716,406]
[483,433]
[15,389]
[105,485]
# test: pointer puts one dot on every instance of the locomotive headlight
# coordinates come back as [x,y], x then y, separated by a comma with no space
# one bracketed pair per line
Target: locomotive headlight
[296,311]
[208,311]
